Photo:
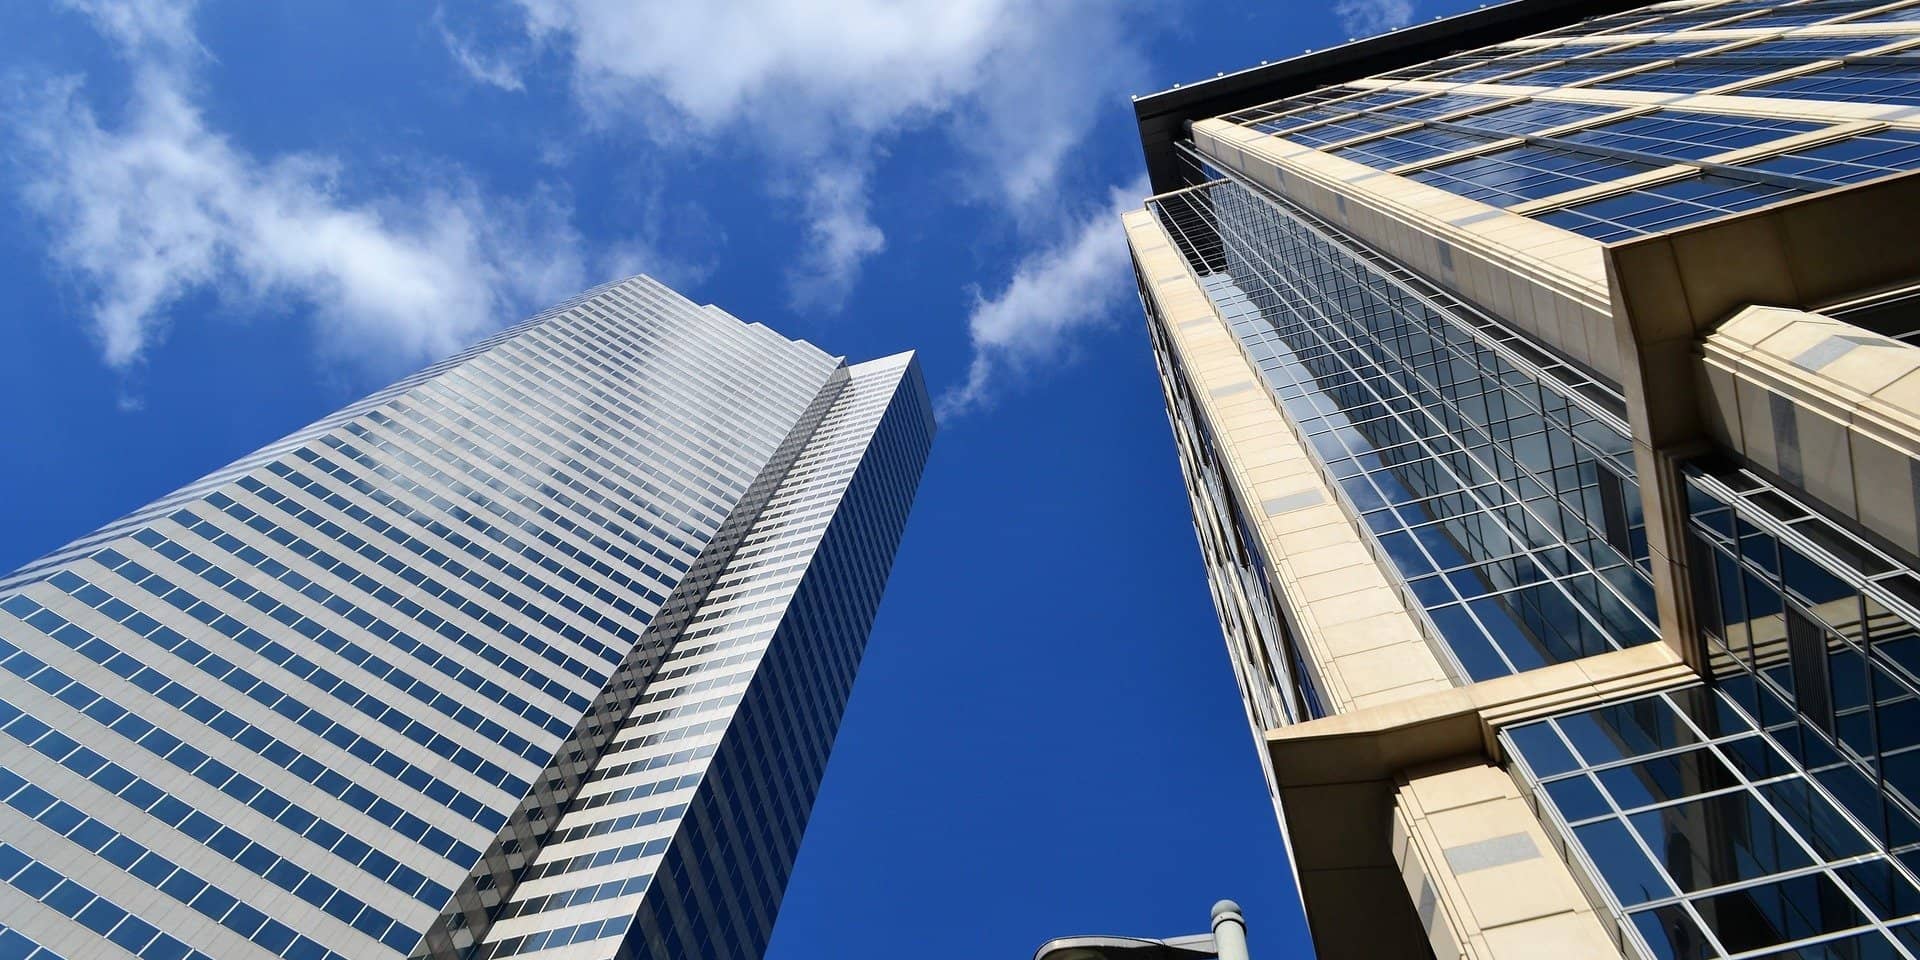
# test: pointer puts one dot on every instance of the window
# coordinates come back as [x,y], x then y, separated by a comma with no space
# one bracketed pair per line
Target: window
[1519,174]
[1687,136]
[1853,159]
[1662,207]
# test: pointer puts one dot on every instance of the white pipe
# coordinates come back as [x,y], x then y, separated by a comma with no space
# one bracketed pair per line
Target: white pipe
[1229,931]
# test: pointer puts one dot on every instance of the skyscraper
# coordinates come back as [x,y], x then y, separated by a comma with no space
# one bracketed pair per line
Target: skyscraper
[1543,382]
[539,652]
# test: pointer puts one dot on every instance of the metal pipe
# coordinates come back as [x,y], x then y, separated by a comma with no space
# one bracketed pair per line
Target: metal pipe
[1229,931]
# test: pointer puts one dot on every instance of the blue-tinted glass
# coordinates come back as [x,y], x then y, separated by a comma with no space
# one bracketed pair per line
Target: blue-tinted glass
[1870,945]
[1687,136]
[1853,82]
[1622,866]
[1345,128]
[1815,819]
[1518,174]
[1622,730]
[1804,13]
[1576,798]
[1662,207]
[1533,116]
[1412,146]
[1775,913]
[1347,348]
[1886,891]
[1672,934]
[1856,158]
[1544,752]
[1437,105]
[1718,840]
[1668,777]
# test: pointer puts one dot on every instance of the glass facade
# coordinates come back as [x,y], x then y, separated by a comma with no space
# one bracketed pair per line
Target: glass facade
[1494,481]
[505,658]
[1540,132]
[1461,409]
[1712,833]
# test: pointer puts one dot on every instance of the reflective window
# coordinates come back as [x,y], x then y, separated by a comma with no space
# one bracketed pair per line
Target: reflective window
[1533,116]
[1861,157]
[1505,505]
[1662,207]
[1812,626]
[1519,174]
[1687,136]
[1877,82]
[1714,70]
[1708,837]
[1411,147]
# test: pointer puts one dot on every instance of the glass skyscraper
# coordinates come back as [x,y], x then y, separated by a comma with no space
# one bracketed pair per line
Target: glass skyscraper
[537,653]
[1545,385]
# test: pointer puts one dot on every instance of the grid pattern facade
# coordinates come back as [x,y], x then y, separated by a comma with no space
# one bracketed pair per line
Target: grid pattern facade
[1427,349]
[1499,494]
[332,700]
[1710,832]
[1557,127]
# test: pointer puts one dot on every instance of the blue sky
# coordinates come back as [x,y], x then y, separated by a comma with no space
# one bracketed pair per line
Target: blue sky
[223,220]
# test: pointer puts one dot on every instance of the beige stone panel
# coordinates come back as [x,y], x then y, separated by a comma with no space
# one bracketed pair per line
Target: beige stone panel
[1902,393]
[1371,633]
[1463,832]
[1360,605]
[1528,890]
[1886,507]
[1567,936]
[1826,461]
[1360,903]
[1321,565]
[1385,668]
[1756,419]
[1370,700]
[1671,292]
[1436,789]
[1857,407]
[1310,518]
[1313,538]
[1337,583]
[1325,559]
[1868,372]
[1720,405]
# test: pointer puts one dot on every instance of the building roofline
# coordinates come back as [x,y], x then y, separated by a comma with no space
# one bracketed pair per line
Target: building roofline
[1164,116]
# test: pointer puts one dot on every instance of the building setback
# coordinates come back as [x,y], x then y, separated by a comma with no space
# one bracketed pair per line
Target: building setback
[537,653]
[1544,385]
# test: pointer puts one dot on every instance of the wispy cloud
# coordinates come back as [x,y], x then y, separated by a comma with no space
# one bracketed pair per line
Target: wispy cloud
[1067,287]
[156,205]
[1364,18]
[490,68]
[840,237]
[820,89]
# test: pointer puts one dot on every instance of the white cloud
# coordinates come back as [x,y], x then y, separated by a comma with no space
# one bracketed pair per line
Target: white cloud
[818,90]
[1364,18]
[1054,293]
[143,27]
[492,69]
[147,210]
[840,236]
